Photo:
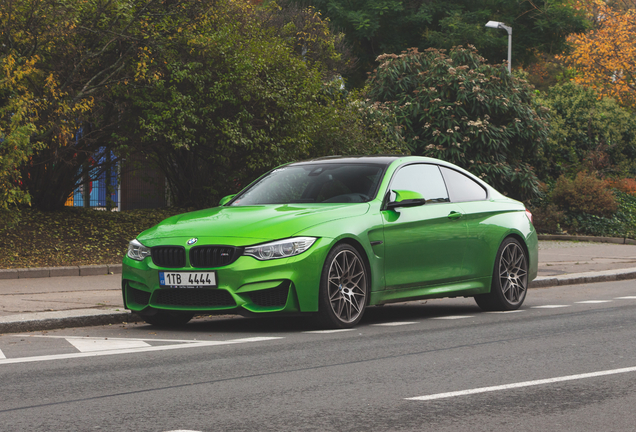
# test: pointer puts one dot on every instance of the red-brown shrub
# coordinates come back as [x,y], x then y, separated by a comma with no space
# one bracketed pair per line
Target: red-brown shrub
[584,194]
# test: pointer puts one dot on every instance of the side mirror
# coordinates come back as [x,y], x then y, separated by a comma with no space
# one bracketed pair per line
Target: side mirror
[226,199]
[406,198]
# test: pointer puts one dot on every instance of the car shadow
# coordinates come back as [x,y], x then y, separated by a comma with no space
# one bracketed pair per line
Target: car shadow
[374,315]
[416,311]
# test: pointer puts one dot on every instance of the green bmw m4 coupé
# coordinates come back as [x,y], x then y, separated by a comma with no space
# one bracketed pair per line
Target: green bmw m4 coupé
[332,236]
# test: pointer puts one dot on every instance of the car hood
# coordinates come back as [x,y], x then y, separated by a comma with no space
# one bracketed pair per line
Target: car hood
[267,222]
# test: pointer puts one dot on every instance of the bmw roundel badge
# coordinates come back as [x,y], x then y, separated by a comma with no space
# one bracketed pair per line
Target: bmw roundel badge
[192,241]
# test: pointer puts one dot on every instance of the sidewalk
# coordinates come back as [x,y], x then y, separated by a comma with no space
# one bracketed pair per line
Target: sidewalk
[41,299]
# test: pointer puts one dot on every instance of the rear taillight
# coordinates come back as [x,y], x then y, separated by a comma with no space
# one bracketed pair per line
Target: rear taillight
[529,215]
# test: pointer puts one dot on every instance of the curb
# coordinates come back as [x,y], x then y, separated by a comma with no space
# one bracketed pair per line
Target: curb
[583,278]
[62,319]
[565,237]
[42,272]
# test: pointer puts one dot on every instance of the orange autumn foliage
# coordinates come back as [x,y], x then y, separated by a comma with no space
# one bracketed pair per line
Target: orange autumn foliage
[627,185]
[605,57]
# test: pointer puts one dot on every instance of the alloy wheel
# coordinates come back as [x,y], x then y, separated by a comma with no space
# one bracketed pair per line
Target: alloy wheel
[346,286]
[513,273]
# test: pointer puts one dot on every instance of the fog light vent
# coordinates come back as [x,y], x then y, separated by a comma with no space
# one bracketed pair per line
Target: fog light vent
[271,297]
[140,297]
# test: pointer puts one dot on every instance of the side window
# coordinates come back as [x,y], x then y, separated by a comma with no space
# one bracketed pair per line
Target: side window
[424,179]
[462,188]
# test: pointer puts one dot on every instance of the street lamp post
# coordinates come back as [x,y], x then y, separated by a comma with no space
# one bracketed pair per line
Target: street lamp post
[500,25]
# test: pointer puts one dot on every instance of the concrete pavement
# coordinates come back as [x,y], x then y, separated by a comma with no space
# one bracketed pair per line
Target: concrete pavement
[41,299]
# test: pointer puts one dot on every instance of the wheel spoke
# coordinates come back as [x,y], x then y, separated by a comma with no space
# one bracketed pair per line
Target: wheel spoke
[340,306]
[505,287]
[335,296]
[337,267]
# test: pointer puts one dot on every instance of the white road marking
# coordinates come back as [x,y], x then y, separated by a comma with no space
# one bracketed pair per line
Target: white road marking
[626,298]
[399,323]
[522,384]
[102,344]
[549,306]
[2,355]
[110,338]
[452,317]
[593,301]
[183,430]
[506,312]
[189,344]
[327,331]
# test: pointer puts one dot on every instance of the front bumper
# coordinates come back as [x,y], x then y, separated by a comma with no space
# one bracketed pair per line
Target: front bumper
[245,286]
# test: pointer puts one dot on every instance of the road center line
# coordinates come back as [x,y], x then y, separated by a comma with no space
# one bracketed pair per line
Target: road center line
[522,384]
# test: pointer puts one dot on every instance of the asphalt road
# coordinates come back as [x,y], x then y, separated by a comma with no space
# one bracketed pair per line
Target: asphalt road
[566,362]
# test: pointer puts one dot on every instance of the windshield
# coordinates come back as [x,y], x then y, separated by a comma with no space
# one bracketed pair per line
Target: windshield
[314,183]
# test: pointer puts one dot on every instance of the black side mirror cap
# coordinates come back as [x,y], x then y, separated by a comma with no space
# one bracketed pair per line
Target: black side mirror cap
[406,203]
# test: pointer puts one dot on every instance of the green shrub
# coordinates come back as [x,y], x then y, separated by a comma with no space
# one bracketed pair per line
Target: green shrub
[458,108]
[548,219]
[621,224]
[587,131]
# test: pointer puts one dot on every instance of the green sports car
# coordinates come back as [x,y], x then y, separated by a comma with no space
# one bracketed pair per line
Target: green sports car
[332,236]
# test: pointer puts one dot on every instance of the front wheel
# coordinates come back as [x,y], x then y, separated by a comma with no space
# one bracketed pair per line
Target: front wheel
[509,280]
[344,288]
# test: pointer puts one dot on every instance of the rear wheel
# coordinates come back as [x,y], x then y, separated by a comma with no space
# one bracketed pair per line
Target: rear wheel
[509,280]
[161,318]
[344,288]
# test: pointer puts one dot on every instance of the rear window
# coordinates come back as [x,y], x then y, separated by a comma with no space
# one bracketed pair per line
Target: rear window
[462,188]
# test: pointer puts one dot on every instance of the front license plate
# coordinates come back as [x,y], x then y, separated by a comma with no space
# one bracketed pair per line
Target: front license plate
[187,279]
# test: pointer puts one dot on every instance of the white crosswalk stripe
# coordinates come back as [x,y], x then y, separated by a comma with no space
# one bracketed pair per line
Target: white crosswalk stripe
[102,344]
[88,347]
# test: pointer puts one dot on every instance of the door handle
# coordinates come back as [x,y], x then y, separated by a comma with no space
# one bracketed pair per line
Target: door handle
[454,215]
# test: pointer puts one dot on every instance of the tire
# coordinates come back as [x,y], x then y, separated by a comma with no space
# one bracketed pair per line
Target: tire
[344,288]
[162,318]
[509,279]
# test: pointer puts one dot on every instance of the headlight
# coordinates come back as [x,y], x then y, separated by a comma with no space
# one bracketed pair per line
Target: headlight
[137,251]
[280,249]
